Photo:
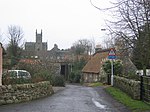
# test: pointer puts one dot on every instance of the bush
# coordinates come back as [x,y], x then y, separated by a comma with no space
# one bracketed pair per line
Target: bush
[6,80]
[117,67]
[71,77]
[31,68]
[39,72]
[132,75]
[75,77]
[37,77]
[58,80]
[42,76]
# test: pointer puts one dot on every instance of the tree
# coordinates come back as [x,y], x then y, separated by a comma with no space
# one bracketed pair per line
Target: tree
[116,65]
[75,75]
[132,24]
[83,46]
[15,35]
[141,58]
[108,43]
[1,40]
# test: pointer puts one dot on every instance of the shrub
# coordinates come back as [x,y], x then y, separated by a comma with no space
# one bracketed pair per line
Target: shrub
[37,77]
[117,66]
[132,75]
[39,71]
[71,77]
[58,80]
[6,80]
[31,68]
[75,77]
[42,76]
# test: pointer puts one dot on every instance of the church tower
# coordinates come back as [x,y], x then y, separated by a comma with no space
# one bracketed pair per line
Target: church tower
[38,45]
[38,37]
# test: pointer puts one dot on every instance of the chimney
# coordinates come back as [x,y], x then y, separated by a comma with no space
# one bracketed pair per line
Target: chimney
[98,48]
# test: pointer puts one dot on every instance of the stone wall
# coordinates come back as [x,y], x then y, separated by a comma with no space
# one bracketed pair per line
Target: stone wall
[131,87]
[24,92]
[90,77]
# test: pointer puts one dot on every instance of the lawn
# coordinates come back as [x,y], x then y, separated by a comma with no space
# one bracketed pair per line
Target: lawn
[134,105]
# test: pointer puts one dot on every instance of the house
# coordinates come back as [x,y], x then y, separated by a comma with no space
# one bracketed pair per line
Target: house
[91,71]
[2,52]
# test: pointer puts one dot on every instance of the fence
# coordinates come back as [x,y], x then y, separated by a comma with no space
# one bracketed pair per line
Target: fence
[145,88]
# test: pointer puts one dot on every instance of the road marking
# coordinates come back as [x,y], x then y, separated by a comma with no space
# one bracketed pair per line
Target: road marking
[97,104]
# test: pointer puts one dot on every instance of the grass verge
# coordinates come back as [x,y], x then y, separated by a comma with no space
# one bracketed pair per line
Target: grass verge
[134,105]
[95,84]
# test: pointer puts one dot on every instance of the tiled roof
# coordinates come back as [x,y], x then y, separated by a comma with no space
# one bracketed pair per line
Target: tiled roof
[94,65]
[30,61]
[4,52]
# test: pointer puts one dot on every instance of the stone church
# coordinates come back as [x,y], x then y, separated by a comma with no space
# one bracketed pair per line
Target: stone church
[38,49]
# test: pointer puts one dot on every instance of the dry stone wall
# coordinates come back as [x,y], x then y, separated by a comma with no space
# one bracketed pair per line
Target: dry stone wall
[131,87]
[24,92]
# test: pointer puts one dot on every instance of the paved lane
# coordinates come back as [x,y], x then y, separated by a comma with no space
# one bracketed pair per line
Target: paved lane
[72,99]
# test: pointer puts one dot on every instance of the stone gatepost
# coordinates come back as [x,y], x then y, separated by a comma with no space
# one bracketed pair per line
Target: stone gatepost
[1,55]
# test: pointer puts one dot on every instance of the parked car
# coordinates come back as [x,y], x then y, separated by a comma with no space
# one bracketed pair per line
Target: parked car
[18,74]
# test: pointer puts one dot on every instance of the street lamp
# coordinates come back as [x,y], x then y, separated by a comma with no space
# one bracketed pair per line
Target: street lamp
[103,29]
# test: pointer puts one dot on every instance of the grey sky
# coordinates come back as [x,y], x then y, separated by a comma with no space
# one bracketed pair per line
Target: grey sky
[63,21]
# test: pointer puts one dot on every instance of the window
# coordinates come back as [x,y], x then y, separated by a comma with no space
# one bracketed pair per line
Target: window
[22,74]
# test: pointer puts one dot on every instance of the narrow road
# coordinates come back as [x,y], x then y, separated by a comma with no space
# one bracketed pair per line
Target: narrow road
[73,98]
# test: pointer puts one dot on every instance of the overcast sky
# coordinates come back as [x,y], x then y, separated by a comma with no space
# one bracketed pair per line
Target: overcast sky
[63,21]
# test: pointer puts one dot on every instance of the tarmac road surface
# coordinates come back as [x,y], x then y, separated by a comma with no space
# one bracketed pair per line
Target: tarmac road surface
[74,98]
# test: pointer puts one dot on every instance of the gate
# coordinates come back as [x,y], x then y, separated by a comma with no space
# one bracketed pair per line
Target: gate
[145,88]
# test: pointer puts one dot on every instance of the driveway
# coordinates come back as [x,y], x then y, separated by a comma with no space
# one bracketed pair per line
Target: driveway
[74,98]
